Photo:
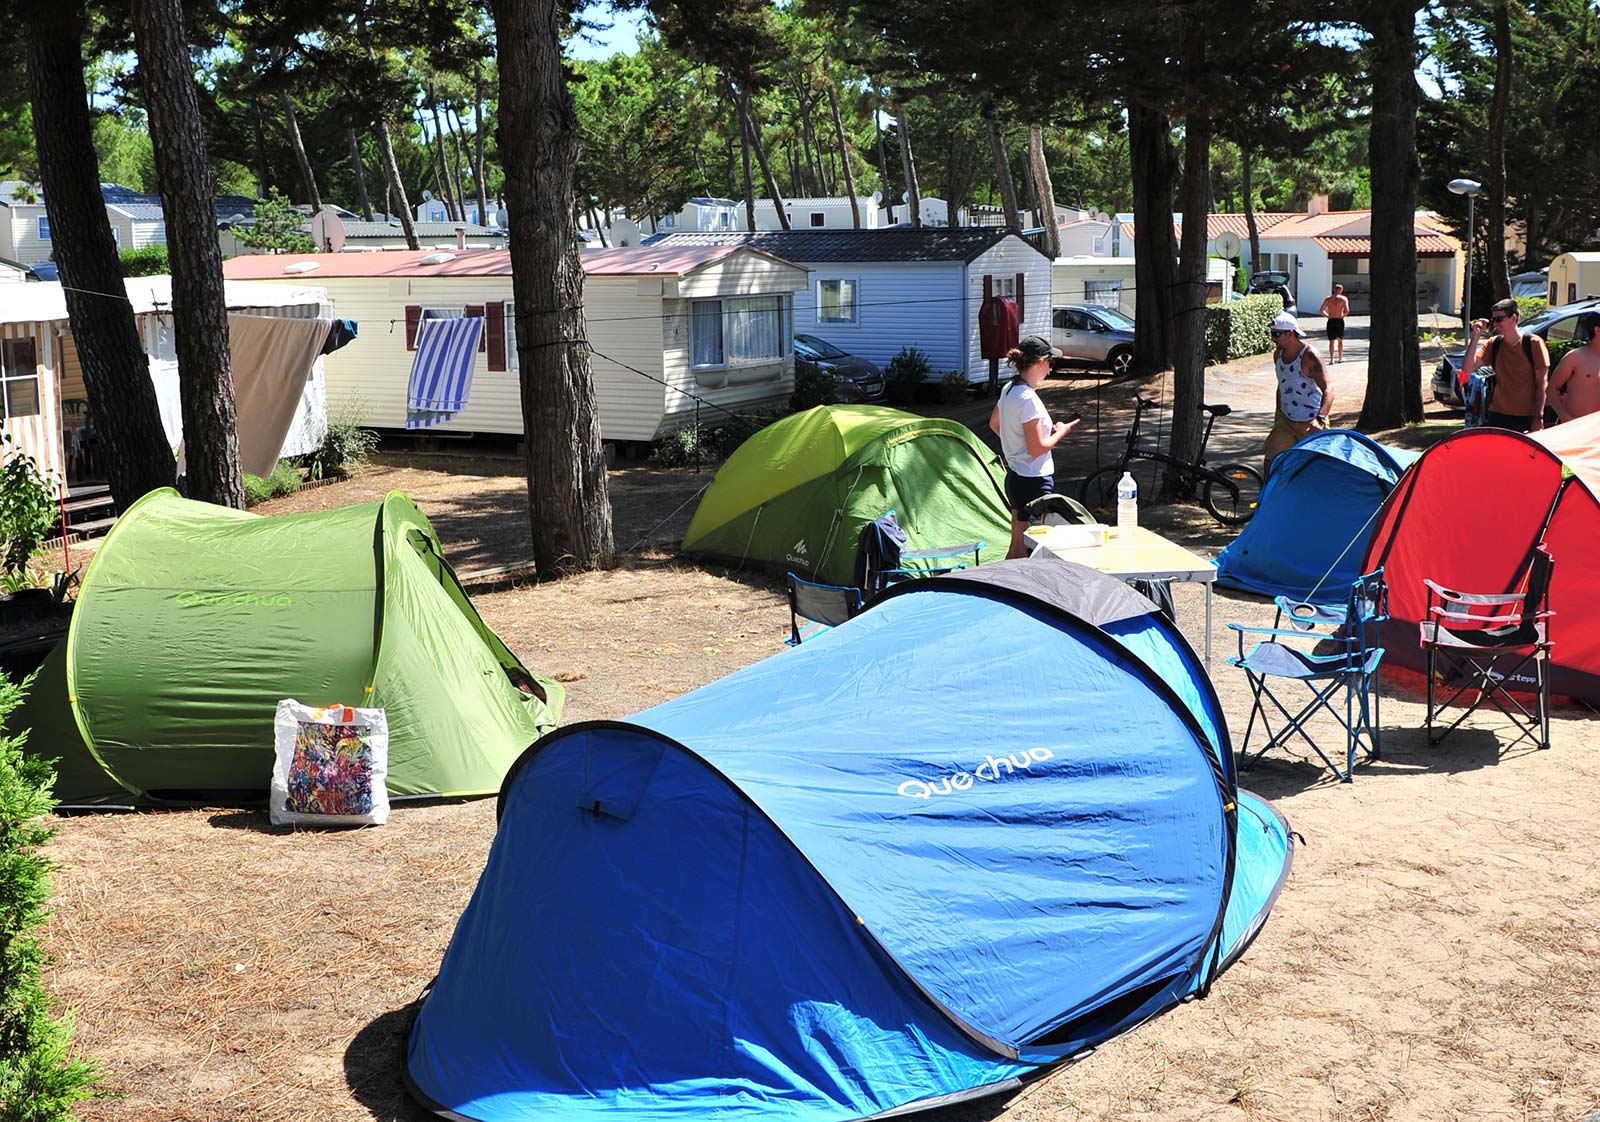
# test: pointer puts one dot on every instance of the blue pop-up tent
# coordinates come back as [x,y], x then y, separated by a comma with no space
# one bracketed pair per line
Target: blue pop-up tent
[1316,515]
[974,832]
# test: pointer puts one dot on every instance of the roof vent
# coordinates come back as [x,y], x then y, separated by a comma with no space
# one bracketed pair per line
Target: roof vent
[302,267]
[437,259]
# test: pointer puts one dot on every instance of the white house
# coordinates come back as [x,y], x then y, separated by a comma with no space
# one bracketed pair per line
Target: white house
[672,331]
[700,215]
[872,292]
[24,225]
[44,404]
[829,213]
[437,210]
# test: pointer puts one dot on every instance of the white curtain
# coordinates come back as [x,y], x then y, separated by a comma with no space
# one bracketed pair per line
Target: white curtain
[705,333]
[755,328]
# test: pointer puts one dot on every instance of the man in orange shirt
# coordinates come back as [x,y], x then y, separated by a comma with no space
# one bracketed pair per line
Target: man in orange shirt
[1521,367]
[1335,307]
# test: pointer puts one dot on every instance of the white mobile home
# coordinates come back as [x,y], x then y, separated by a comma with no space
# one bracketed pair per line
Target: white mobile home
[667,327]
[45,406]
[1107,281]
[872,292]
[1573,276]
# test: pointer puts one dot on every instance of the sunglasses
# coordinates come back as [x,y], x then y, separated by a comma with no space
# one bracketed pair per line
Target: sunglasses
[1498,319]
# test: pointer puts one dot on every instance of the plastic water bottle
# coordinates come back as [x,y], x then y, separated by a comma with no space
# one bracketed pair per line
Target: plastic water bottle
[1127,505]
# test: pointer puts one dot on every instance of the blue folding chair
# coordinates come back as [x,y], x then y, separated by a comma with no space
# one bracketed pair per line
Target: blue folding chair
[820,607]
[882,559]
[1326,649]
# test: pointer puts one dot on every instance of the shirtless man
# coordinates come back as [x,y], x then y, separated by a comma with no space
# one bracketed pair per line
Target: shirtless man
[1575,386]
[1336,307]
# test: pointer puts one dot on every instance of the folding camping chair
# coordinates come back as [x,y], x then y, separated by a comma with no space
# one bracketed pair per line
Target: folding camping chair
[1337,649]
[882,559]
[1471,638]
[821,606]
[1059,510]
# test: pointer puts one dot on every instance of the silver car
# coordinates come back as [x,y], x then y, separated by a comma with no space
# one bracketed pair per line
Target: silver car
[1092,335]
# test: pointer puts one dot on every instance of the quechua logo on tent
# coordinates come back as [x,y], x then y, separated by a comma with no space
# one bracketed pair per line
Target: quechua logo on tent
[195,599]
[992,770]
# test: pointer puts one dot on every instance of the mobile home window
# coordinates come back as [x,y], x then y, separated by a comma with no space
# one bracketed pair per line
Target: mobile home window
[512,363]
[1106,293]
[735,331]
[44,228]
[439,312]
[19,378]
[818,218]
[836,301]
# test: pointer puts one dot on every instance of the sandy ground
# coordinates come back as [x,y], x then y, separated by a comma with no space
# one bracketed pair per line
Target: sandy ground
[1435,954]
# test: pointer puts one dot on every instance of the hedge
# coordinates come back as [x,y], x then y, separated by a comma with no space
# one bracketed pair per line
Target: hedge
[1238,328]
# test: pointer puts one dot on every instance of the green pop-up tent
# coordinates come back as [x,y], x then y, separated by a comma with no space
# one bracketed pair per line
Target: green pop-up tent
[796,494]
[194,620]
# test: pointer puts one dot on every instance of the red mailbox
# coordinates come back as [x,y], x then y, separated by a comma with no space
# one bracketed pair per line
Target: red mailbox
[998,324]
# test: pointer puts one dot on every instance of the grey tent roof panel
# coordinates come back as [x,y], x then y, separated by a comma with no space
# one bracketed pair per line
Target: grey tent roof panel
[1078,590]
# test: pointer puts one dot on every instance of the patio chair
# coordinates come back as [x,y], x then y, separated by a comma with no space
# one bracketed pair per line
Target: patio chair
[1326,649]
[820,606]
[1483,643]
[882,559]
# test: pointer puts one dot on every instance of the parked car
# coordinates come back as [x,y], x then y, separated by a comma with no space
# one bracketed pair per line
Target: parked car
[1092,335]
[859,379]
[1551,325]
[1272,280]
[1534,282]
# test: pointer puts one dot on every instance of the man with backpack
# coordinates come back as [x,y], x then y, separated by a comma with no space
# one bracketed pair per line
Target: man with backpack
[1520,365]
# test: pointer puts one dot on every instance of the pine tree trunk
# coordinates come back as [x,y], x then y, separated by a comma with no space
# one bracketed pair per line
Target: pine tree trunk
[460,164]
[1154,256]
[479,179]
[1247,190]
[1046,190]
[116,372]
[362,197]
[1002,165]
[1494,212]
[844,159]
[441,165]
[744,155]
[262,174]
[883,160]
[396,186]
[199,307]
[908,164]
[760,149]
[569,508]
[291,124]
[1394,364]
[1189,358]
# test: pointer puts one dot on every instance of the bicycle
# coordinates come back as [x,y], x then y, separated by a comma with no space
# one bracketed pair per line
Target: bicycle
[1231,492]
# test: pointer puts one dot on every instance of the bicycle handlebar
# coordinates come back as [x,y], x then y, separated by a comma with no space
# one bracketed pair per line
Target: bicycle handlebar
[1151,403]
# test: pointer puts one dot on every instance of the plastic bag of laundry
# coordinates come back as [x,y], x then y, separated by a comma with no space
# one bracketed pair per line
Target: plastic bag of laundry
[331,766]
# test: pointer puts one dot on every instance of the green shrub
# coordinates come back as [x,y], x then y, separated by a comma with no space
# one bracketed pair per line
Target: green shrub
[739,428]
[682,447]
[285,478]
[1530,306]
[39,1081]
[1241,277]
[1559,349]
[909,365]
[696,444]
[813,386]
[346,445]
[28,510]
[151,261]
[1239,327]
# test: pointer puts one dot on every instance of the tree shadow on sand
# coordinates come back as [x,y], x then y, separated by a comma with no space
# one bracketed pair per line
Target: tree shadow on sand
[372,1065]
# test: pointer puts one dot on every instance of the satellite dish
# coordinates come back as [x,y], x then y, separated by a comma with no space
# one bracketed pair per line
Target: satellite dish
[427,196]
[327,230]
[502,218]
[1227,244]
[625,231]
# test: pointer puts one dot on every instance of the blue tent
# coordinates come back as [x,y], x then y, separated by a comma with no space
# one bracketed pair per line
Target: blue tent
[1317,512]
[974,832]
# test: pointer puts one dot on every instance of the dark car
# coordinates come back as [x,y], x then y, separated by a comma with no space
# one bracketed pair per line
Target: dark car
[859,379]
[1553,325]
[1275,282]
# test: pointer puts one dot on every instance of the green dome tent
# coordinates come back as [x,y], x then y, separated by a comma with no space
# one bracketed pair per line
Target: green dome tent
[194,620]
[796,494]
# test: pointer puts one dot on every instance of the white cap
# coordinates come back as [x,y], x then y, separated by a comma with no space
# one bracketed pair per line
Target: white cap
[1286,322]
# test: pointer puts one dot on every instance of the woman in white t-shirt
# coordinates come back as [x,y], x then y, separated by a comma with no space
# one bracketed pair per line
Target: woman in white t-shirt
[1027,434]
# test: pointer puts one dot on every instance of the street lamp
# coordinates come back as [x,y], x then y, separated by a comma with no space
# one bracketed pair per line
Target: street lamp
[1469,188]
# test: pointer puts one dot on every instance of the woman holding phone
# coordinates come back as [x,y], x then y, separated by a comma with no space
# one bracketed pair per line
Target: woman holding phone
[1027,434]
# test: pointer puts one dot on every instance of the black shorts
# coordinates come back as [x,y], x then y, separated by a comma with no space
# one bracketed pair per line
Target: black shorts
[1335,328]
[1513,421]
[1023,489]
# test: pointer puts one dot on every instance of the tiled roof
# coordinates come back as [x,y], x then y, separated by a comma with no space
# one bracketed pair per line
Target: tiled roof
[629,261]
[900,243]
[1427,243]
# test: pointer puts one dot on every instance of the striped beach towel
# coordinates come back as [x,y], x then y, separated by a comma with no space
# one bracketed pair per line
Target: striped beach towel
[441,373]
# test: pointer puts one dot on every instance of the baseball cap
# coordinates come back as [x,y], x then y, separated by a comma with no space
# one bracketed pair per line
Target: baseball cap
[1037,346]
[1286,322]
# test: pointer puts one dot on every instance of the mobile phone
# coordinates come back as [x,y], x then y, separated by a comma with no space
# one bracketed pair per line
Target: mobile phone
[1076,417]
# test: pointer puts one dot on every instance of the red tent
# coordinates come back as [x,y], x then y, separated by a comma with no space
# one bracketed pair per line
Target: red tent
[1469,514]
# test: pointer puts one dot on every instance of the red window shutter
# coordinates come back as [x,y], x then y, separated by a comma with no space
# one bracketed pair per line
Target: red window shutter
[495,332]
[1022,298]
[483,336]
[413,318]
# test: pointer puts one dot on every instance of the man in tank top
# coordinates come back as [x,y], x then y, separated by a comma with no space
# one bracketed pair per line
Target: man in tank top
[1304,395]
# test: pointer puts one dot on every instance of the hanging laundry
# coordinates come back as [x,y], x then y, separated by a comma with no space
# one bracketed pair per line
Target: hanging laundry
[441,373]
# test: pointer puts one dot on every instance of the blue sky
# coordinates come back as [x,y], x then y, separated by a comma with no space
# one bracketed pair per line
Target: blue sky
[622,36]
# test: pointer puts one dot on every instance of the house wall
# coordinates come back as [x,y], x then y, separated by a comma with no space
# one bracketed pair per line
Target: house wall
[39,436]
[122,228]
[1311,280]
[8,275]
[1068,277]
[26,245]
[1086,239]
[1006,259]
[1572,277]
[835,214]
[147,233]
[899,304]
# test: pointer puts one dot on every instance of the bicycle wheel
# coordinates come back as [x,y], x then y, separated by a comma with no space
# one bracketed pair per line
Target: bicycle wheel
[1236,505]
[1099,491]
